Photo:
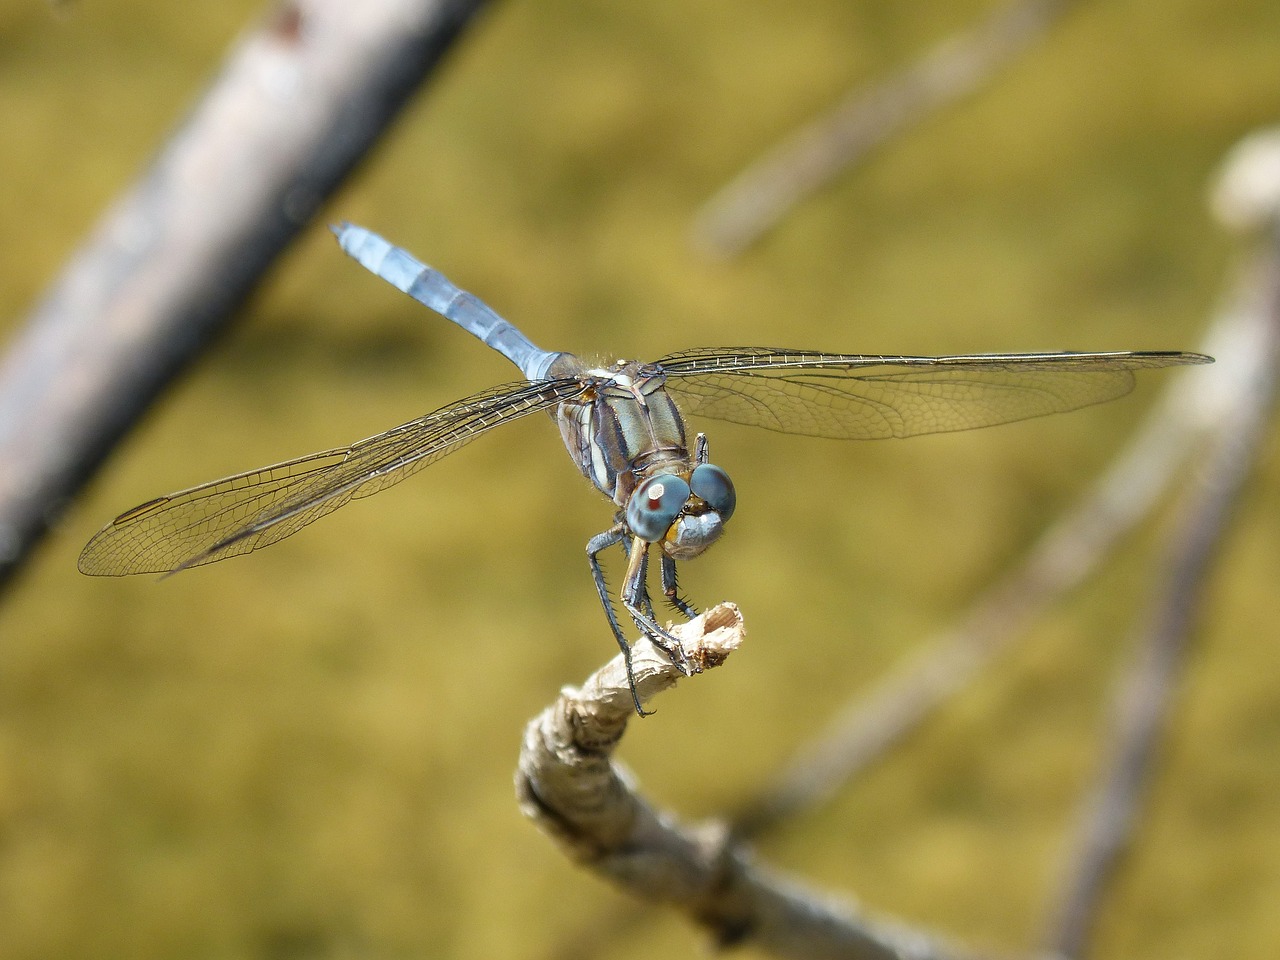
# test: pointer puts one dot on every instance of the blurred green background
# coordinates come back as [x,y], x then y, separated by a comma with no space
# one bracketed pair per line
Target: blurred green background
[308,752]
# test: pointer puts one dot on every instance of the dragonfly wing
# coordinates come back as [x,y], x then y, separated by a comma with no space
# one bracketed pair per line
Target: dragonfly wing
[238,514]
[856,397]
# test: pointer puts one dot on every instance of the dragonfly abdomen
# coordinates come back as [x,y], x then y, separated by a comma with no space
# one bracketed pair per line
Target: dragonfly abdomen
[433,289]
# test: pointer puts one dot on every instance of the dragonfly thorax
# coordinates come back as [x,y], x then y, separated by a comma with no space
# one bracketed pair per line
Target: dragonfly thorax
[623,427]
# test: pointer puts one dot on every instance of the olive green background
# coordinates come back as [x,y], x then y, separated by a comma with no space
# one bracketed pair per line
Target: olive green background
[308,752]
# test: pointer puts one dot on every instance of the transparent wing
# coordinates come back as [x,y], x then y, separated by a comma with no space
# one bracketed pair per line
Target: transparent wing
[238,514]
[853,397]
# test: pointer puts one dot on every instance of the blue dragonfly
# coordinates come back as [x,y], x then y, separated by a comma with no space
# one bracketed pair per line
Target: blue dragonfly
[623,429]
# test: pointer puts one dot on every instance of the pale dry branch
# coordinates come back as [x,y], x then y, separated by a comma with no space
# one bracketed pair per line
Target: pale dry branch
[758,198]
[298,102]
[570,786]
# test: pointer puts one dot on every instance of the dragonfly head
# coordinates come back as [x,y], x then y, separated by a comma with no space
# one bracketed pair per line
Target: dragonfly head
[685,515]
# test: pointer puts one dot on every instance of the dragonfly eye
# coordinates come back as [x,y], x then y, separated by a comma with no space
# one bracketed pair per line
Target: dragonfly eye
[654,506]
[714,486]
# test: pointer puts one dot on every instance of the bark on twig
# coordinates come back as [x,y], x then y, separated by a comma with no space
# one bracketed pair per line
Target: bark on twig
[569,785]
[1144,697]
[298,103]
[810,158]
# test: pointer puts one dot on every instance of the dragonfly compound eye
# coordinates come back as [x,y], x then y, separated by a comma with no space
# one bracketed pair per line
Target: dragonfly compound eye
[654,506]
[713,485]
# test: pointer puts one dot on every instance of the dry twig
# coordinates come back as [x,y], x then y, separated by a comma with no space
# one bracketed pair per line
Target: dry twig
[569,785]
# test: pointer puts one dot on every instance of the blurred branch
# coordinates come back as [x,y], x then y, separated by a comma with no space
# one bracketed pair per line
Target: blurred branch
[810,158]
[299,101]
[1143,699]
[569,786]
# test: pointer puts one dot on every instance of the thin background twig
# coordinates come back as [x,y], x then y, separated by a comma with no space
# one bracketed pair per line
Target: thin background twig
[757,199]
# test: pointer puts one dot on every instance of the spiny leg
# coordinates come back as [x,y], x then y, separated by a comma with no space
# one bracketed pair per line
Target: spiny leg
[634,594]
[644,581]
[595,545]
[672,590]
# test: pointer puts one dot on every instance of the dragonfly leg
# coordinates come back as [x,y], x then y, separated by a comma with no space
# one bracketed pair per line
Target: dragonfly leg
[596,545]
[700,451]
[645,599]
[672,590]
[635,598]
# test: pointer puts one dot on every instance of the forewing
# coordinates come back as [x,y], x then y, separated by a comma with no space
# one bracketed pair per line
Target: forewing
[238,514]
[855,397]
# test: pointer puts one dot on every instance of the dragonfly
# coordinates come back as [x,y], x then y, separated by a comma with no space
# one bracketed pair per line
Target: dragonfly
[623,424]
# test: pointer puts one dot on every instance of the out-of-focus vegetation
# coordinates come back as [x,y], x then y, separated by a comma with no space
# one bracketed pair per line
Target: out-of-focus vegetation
[308,752]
